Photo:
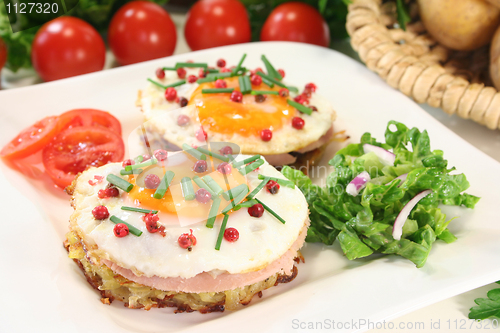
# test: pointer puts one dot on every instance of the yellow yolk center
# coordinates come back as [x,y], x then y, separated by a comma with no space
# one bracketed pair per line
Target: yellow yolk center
[219,114]
[173,202]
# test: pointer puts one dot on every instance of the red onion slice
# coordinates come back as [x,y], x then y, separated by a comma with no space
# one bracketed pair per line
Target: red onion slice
[358,183]
[402,177]
[385,156]
[397,229]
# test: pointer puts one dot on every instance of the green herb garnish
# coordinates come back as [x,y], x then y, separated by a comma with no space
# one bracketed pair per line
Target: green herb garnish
[264,92]
[217,90]
[300,107]
[258,188]
[487,307]
[251,167]
[245,84]
[205,80]
[238,67]
[164,184]
[213,185]
[149,162]
[201,184]
[193,152]
[120,182]
[278,83]
[172,85]
[133,230]
[233,192]
[245,161]
[221,232]
[214,155]
[213,212]
[270,211]
[139,210]
[187,189]
[237,199]
[248,203]
[281,181]
[271,71]
[125,172]
[169,68]
[191,65]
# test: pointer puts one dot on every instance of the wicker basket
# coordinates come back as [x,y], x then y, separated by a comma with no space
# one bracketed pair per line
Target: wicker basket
[413,62]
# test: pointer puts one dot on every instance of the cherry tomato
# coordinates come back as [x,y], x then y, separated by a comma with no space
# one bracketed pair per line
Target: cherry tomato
[212,23]
[65,47]
[296,22]
[77,148]
[89,117]
[3,53]
[141,31]
[31,139]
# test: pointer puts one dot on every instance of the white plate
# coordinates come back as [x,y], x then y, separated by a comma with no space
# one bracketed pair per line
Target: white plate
[44,291]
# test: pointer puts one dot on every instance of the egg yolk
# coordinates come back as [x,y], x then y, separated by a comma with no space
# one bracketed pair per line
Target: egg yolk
[173,201]
[219,114]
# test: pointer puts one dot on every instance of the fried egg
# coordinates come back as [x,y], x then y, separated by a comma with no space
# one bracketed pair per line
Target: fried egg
[262,241]
[239,123]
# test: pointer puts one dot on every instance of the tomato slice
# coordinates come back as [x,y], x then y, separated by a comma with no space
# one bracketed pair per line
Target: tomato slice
[90,117]
[31,139]
[77,148]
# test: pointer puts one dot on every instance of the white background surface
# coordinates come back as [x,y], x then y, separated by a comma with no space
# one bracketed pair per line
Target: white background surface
[451,314]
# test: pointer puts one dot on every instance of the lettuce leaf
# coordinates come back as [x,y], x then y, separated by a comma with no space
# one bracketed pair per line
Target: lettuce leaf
[363,224]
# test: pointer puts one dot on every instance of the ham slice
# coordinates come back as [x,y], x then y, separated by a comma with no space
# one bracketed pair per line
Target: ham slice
[205,282]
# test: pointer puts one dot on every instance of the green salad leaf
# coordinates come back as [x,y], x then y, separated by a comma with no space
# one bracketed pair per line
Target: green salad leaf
[363,224]
[487,307]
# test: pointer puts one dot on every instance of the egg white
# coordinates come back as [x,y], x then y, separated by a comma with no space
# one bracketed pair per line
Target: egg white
[286,139]
[261,241]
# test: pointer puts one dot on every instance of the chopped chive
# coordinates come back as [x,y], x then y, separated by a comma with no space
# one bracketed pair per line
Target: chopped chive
[270,69]
[193,152]
[213,185]
[213,212]
[139,210]
[212,70]
[217,90]
[245,85]
[245,161]
[300,107]
[248,203]
[191,65]
[271,211]
[149,162]
[251,167]
[205,80]
[120,182]
[278,83]
[264,92]
[281,181]
[269,83]
[220,75]
[233,192]
[130,172]
[221,232]
[201,184]
[211,153]
[237,199]
[139,159]
[258,188]
[187,189]
[133,230]
[175,84]
[165,183]
[169,68]
[237,68]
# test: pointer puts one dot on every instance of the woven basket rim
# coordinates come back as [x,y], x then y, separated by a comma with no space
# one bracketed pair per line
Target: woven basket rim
[414,63]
